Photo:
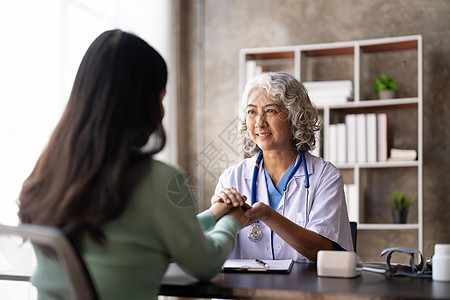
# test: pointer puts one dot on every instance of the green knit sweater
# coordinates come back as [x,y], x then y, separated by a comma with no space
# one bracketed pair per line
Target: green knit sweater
[158,225]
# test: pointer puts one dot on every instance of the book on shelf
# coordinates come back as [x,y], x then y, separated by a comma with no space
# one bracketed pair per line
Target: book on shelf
[352,201]
[361,138]
[328,100]
[324,93]
[338,143]
[382,137]
[333,149]
[402,155]
[350,122]
[253,69]
[318,150]
[341,143]
[371,137]
[328,87]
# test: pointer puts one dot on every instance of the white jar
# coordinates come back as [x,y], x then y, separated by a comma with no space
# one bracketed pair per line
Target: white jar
[441,262]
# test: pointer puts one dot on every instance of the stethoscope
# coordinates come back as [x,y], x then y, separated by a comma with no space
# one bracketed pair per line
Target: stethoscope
[255,233]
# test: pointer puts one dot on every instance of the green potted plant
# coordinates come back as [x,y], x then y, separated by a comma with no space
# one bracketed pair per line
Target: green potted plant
[385,87]
[400,204]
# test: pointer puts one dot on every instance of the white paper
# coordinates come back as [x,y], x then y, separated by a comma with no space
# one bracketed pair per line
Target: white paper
[252,265]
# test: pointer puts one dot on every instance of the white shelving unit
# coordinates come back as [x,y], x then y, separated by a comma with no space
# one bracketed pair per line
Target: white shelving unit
[355,55]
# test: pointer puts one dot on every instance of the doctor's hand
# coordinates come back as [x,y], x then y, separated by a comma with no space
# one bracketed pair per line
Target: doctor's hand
[258,212]
[239,214]
[229,196]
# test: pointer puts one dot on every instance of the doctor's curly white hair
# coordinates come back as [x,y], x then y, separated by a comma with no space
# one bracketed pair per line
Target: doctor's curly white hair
[283,89]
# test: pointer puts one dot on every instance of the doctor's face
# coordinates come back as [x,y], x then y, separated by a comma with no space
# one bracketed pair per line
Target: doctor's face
[267,122]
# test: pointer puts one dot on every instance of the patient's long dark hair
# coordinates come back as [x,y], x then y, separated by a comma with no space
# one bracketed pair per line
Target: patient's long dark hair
[84,175]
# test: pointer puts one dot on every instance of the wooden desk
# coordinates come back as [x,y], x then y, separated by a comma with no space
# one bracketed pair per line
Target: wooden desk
[301,283]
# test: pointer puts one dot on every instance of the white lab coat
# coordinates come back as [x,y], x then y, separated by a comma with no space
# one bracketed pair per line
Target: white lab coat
[327,209]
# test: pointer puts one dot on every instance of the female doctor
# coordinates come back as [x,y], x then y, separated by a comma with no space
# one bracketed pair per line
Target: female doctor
[294,201]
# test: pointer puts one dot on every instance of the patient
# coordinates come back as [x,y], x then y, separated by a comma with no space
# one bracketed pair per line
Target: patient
[125,212]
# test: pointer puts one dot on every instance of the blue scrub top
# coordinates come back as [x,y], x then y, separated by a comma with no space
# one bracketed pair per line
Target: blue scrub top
[275,193]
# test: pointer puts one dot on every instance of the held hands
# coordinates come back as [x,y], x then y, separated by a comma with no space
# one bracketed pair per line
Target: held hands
[229,199]
[239,214]
[219,209]
[258,212]
[229,196]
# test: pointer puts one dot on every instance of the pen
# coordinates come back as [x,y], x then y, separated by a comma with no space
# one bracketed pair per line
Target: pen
[261,262]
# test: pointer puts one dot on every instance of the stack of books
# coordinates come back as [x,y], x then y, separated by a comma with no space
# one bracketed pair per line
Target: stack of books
[364,138]
[402,154]
[325,93]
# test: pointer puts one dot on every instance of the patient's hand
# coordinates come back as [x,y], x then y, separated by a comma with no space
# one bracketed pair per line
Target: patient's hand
[219,209]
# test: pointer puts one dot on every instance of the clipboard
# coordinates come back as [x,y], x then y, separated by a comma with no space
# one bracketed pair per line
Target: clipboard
[250,265]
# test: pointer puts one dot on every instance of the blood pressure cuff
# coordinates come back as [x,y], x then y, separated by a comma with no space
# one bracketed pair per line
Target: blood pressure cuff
[413,270]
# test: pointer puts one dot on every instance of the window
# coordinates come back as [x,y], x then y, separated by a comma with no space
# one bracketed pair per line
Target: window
[41,46]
